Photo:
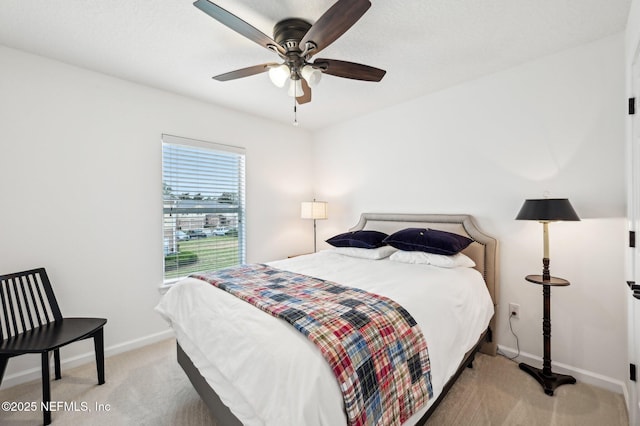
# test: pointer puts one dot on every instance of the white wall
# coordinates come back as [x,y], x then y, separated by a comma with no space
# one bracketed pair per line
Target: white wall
[80,189]
[554,124]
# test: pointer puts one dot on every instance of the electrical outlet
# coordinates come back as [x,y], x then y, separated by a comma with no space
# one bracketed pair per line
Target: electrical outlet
[514,310]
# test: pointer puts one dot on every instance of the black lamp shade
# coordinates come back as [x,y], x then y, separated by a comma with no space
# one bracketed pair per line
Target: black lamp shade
[547,209]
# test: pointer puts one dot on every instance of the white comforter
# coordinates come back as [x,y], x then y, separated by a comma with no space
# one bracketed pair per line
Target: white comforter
[268,373]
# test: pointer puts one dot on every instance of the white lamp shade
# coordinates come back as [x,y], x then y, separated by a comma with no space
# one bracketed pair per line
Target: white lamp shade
[279,74]
[311,74]
[314,210]
[295,88]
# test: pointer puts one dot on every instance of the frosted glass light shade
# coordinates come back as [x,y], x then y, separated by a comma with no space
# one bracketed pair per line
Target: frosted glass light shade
[295,88]
[279,74]
[311,74]
[314,210]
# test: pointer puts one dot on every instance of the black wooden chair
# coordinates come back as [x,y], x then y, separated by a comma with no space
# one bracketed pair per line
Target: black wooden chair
[31,322]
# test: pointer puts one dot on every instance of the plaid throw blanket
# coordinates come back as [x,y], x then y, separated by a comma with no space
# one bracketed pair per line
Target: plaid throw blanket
[375,348]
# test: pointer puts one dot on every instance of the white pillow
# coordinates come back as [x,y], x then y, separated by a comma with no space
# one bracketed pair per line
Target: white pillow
[363,253]
[441,260]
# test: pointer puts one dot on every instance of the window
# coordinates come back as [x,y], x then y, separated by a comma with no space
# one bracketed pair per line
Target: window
[203,206]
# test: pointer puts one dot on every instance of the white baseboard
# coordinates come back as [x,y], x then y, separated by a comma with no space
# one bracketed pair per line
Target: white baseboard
[87,357]
[585,376]
[581,375]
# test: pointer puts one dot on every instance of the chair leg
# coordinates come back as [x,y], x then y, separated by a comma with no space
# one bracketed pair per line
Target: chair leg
[4,360]
[98,344]
[46,389]
[56,359]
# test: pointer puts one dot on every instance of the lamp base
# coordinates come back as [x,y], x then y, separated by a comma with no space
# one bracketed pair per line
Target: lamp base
[549,381]
[546,275]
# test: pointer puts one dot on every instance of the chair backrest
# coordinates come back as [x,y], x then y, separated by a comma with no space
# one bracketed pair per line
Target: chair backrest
[27,302]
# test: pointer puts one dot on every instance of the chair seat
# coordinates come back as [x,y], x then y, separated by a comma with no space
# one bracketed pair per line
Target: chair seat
[51,336]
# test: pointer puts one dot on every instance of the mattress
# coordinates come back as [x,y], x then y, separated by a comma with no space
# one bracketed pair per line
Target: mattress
[268,373]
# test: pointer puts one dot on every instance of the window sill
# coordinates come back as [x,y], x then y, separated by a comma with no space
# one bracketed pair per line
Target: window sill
[165,286]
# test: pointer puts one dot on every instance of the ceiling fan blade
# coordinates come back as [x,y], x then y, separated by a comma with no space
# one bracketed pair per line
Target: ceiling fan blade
[349,70]
[238,25]
[334,22]
[244,72]
[307,93]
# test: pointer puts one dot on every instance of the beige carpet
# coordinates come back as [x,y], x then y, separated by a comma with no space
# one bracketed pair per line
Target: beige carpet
[147,387]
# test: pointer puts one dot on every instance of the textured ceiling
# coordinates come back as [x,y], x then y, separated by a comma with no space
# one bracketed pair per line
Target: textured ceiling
[425,45]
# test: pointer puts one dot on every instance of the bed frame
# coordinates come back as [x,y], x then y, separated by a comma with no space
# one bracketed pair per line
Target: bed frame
[484,252]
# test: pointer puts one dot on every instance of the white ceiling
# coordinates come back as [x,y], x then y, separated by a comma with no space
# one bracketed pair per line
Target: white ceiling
[425,45]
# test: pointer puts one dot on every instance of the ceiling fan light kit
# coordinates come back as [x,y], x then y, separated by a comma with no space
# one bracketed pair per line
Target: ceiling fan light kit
[295,88]
[311,74]
[295,41]
[279,74]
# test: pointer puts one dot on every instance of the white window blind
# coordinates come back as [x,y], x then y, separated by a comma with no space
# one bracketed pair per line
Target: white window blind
[203,206]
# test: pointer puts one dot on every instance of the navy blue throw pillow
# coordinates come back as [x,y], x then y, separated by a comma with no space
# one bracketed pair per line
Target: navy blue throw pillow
[360,239]
[428,240]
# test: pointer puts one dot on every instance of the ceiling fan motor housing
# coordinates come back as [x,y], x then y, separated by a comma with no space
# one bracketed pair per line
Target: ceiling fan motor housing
[288,33]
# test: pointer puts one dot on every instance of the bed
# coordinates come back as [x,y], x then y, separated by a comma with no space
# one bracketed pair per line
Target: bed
[243,380]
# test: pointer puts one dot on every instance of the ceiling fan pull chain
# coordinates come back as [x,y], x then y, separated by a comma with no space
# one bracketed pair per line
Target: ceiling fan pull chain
[295,110]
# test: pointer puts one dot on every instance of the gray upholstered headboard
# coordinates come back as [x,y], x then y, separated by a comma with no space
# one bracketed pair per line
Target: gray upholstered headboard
[483,251]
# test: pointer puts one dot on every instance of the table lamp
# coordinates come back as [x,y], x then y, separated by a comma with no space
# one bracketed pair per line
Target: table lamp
[547,210]
[314,210]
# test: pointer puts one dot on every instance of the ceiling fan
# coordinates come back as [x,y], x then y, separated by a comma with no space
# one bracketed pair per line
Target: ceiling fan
[296,41]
